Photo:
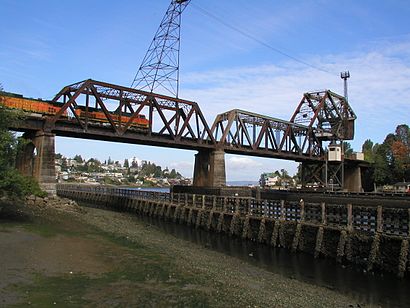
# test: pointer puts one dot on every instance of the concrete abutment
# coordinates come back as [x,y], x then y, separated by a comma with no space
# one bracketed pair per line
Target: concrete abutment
[209,169]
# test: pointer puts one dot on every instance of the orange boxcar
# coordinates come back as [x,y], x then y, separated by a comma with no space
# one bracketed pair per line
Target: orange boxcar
[30,105]
[100,116]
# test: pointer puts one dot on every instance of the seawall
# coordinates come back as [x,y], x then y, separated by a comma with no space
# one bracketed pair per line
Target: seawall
[372,237]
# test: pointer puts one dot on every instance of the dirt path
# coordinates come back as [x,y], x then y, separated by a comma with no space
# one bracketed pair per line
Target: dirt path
[66,258]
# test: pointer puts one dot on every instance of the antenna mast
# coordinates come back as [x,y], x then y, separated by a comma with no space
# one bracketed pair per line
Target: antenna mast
[159,71]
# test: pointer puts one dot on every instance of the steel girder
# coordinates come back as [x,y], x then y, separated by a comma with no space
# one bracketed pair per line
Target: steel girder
[170,117]
[179,123]
[323,175]
[238,129]
[328,114]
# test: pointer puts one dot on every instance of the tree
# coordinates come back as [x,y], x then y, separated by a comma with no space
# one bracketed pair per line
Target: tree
[134,163]
[173,174]
[284,174]
[64,164]
[93,165]
[400,149]
[348,150]
[157,172]
[11,181]
[403,134]
[401,154]
[368,151]
[126,163]
[78,159]
[391,159]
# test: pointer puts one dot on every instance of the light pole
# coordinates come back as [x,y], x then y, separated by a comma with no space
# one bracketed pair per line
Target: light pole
[345,75]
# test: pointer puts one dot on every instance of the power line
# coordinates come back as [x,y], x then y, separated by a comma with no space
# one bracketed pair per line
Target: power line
[253,38]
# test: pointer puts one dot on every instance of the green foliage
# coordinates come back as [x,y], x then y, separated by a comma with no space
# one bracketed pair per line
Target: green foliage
[15,184]
[173,174]
[64,164]
[348,150]
[391,159]
[78,159]
[12,183]
[92,165]
[367,150]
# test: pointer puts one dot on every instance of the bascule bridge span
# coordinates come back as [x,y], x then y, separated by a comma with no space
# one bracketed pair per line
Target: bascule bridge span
[101,111]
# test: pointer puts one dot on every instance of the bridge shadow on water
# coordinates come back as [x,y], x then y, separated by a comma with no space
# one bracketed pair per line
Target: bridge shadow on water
[366,288]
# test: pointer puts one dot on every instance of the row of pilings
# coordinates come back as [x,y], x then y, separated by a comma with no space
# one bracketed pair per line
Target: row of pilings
[368,247]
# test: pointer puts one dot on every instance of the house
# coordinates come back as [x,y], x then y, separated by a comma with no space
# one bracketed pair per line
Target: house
[402,187]
[269,180]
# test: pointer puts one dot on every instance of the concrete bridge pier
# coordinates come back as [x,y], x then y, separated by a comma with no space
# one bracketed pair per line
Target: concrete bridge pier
[209,169]
[353,179]
[37,159]
[25,156]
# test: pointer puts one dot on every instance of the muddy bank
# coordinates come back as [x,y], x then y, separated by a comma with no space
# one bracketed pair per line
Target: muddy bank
[74,257]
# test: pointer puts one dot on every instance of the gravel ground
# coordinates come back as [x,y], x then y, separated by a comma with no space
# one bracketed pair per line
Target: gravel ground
[95,257]
[232,281]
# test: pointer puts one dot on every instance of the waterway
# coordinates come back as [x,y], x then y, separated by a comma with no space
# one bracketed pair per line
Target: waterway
[378,289]
[369,288]
[156,189]
[167,189]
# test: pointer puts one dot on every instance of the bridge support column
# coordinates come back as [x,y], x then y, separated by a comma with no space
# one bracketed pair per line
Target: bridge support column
[37,159]
[209,169]
[44,161]
[25,157]
[353,179]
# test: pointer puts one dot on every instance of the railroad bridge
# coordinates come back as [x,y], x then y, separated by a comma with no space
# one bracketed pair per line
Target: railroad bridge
[97,110]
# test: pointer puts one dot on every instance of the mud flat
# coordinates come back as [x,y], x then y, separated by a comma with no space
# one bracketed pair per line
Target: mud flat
[68,256]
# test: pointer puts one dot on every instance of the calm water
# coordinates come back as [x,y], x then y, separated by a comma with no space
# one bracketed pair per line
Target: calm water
[167,189]
[157,189]
[375,289]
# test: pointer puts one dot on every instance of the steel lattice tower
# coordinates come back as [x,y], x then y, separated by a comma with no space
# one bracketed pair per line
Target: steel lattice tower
[159,71]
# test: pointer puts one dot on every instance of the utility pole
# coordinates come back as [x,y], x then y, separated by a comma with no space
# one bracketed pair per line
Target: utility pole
[345,75]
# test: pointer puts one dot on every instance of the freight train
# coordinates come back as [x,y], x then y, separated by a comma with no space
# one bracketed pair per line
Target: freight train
[16,101]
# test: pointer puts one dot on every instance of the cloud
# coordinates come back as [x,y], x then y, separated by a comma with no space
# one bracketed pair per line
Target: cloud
[241,163]
[379,88]
[186,168]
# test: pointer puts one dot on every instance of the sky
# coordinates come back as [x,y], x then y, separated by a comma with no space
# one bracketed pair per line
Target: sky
[47,44]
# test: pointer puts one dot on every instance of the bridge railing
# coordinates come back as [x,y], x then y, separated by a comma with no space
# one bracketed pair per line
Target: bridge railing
[364,218]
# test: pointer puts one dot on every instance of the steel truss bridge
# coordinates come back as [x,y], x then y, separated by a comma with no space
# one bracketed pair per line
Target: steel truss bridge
[177,123]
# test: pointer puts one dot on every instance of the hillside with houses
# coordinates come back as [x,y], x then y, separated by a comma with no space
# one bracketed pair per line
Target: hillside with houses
[132,172]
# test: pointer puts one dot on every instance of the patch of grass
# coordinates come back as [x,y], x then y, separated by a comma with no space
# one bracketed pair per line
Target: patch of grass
[64,291]
[120,240]
[140,275]
[140,282]
[43,230]
[49,224]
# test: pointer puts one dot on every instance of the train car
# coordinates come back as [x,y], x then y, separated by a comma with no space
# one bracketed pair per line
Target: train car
[15,101]
[18,102]
[98,116]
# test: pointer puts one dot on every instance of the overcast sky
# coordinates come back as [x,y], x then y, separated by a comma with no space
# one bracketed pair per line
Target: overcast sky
[46,45]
